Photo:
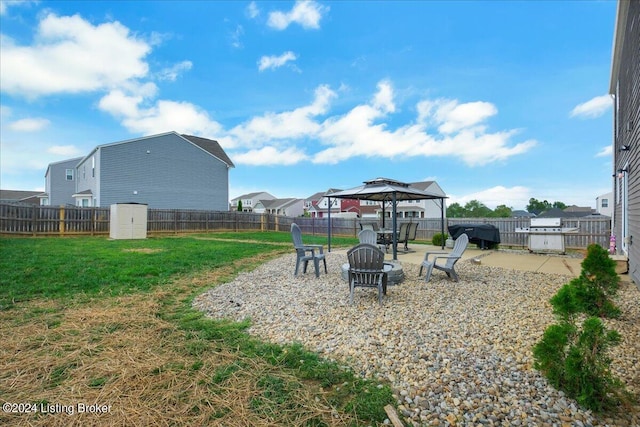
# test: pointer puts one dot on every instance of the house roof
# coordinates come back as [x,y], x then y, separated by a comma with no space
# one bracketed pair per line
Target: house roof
[317,196]
[251,195]
[19,196]
[522,214]
[278,203]
[432,186]
[574,208]
[210,146]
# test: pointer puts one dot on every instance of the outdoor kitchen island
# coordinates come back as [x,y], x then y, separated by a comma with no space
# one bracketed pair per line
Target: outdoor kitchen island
[546,234]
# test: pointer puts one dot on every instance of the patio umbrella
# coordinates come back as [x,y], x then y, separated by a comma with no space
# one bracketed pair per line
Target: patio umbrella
[385,190]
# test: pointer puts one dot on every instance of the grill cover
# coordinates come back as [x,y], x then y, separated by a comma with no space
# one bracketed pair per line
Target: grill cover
[483,235]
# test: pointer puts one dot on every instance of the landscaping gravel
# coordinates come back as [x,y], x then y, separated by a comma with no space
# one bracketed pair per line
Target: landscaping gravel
[454,353]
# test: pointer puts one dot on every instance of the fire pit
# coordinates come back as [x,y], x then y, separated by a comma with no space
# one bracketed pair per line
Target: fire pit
[395,274]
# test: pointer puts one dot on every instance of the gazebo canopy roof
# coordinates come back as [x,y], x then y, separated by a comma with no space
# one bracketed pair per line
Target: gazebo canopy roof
[383,189]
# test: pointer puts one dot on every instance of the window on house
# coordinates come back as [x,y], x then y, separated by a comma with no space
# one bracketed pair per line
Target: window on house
[69,174]
[604,203]
[93,167]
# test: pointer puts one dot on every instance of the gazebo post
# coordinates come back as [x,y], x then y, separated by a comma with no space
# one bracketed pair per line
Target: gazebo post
[329,224]
[442,221]
[395,228]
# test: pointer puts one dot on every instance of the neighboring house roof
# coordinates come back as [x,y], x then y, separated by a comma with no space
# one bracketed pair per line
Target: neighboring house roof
[20,196]
[554,213]
[579,210]
[251,195]
[210,146]
[522,214]
[278,203]
[315,197]
[428,185]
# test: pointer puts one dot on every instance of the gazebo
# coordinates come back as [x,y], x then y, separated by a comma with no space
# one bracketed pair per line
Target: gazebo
[386,190]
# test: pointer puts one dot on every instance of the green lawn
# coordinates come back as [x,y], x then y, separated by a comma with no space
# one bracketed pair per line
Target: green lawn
[96,297]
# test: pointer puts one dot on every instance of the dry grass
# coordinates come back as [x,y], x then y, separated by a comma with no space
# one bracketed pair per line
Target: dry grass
[121,353]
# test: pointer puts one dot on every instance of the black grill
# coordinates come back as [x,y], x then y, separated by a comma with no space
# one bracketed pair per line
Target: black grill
[484,235]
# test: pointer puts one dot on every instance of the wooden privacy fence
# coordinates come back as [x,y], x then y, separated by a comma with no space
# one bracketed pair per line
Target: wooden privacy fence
[71,220]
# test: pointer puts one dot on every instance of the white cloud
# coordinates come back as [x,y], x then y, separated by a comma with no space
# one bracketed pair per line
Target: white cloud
[252,10]
[606,151]
[4,4]
[305,13]
[451,117]
[515,197]
[595,107]
[165,116]
[64,150]
[273,62]
[362,132]
[235,37]
[443,128]
[288,125]
[29,125]
[270,156]
[173,72]
[71,55]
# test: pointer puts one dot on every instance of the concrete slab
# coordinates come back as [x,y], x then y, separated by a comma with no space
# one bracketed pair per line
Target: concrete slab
[543,263]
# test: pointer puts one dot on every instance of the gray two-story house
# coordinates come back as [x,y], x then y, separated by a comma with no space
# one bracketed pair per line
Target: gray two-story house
[165,171]
[60,183]
[625,88]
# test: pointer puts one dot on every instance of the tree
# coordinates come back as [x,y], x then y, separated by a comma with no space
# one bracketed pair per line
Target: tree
[455,211]
[476,209]
[239,205]
[559,205]
[502,211]
[537,207]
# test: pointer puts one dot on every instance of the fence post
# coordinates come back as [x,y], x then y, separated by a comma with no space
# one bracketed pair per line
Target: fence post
[34,220]
[61,228]
[93,220]
[277,222]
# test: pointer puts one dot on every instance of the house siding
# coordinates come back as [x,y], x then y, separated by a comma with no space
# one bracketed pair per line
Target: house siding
[164,172]
[625,85]
[56,184]
[86,180]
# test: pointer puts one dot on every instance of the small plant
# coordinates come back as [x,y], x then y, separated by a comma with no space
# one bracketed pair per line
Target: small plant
[574,359]
[439,239]
[592,292]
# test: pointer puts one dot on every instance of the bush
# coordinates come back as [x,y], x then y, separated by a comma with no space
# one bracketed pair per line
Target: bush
[592,291]
[439,239]
[575,359]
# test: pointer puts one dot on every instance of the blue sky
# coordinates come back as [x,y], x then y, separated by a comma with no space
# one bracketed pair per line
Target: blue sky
[496,101]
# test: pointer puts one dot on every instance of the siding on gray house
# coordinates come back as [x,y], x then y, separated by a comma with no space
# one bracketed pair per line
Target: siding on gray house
[58,187]
[625,87]
[166,171]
